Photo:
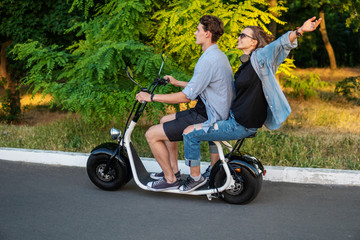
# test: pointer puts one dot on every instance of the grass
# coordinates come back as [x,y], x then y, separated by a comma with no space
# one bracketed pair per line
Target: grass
[299,148]
[322,132]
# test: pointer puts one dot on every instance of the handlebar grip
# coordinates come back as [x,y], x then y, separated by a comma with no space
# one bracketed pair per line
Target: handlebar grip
[164,81]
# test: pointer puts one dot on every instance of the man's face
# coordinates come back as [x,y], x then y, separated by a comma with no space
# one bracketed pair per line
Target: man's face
[201,35]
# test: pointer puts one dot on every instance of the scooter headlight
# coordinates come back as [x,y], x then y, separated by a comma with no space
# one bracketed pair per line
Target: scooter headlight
[115,134]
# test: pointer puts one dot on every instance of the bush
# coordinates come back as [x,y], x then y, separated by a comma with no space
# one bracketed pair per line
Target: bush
[304,86]
[349,88]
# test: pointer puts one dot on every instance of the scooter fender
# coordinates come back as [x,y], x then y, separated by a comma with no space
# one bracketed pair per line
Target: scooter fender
[249,162]
[109,148]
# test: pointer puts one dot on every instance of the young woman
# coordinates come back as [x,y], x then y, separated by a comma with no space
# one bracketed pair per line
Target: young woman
[258,99]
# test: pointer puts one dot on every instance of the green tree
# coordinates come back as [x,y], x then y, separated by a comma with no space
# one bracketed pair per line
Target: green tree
[88,76]
[352,8]
[178,23]
[349,7]
[312,53]
[21,20]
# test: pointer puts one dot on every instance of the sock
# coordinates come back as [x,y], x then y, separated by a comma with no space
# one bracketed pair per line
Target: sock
[196,178]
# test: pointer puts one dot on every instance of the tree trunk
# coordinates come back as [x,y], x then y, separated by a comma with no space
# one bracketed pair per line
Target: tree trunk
[273,24]
[11,104]
[325,38]
[3,61]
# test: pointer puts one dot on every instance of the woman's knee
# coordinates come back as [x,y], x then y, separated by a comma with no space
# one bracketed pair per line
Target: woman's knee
[191,128]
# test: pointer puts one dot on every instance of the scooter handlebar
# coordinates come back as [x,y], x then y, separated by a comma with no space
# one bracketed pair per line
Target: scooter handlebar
[163,81]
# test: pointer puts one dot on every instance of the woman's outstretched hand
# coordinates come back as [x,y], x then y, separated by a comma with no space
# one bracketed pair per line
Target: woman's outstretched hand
[310,25]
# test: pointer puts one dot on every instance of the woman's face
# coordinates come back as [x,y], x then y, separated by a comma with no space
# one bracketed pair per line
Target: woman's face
[246,41]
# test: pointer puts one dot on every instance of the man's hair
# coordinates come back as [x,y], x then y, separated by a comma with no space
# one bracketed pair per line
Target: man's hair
[213,24]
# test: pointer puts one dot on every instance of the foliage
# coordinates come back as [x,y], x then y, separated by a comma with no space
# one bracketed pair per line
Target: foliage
[39,20]
[353,21]
[88,76]
[348,7]
[287,67]
[42,21]
[176,31]
[305,86]
[311,51]
[349,88]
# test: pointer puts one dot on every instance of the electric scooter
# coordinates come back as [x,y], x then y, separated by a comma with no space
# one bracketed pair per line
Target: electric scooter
[236,178]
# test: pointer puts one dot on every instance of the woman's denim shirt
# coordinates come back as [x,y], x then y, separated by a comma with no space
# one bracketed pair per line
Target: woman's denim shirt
[266,61]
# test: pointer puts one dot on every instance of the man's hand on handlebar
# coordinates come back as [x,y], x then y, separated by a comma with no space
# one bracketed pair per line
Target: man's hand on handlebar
[143,97]
[171,79]
[175,82]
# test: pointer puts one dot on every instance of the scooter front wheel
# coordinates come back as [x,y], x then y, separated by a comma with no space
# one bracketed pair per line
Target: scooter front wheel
[246,187]
[114,179]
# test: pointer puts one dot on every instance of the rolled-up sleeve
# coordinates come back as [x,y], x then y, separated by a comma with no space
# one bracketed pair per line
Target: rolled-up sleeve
[200,80]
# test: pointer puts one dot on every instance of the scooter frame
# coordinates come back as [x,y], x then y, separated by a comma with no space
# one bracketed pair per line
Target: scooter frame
[230,182]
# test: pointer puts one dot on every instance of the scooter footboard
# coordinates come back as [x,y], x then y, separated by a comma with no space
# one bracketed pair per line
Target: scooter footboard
[142,173]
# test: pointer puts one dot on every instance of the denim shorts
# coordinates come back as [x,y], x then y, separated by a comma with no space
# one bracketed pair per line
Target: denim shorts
[224,130]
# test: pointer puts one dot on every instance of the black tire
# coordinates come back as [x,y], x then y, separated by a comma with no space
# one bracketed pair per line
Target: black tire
[116,177]
[247,186]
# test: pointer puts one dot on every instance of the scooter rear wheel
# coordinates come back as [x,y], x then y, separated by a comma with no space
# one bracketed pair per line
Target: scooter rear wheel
[246,188]
[113,180]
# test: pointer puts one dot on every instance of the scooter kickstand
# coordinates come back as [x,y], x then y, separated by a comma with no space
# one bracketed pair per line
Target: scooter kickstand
[211,196]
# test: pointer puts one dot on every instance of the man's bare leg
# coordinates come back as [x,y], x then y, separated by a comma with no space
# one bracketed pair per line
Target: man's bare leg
[156,137]
[171,146]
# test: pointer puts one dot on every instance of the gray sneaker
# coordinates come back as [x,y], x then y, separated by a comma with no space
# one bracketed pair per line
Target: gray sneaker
[160,175]
[207,172]
[190,184]
[162,184]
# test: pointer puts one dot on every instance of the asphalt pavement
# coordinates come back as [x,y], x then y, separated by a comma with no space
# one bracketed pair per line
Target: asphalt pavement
[40,201]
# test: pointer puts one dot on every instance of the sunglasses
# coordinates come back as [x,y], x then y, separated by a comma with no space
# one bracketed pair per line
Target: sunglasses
[242,35]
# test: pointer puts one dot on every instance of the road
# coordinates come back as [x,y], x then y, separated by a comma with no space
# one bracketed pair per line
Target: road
[53,202]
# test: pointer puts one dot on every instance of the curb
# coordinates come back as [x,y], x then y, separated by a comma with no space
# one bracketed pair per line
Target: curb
[273,174]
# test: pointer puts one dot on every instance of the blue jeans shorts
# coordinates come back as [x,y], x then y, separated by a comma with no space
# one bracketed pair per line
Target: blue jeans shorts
[224,130]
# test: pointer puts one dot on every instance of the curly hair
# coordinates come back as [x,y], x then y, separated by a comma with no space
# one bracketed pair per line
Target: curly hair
[261,36]
[213,24]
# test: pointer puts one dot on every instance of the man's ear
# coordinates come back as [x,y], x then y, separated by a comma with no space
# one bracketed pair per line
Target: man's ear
[208,34]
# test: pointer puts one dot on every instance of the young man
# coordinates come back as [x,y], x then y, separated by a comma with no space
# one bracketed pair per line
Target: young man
[212,85]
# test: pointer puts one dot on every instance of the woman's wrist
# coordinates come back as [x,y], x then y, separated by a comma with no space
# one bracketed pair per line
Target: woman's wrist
[299,32]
